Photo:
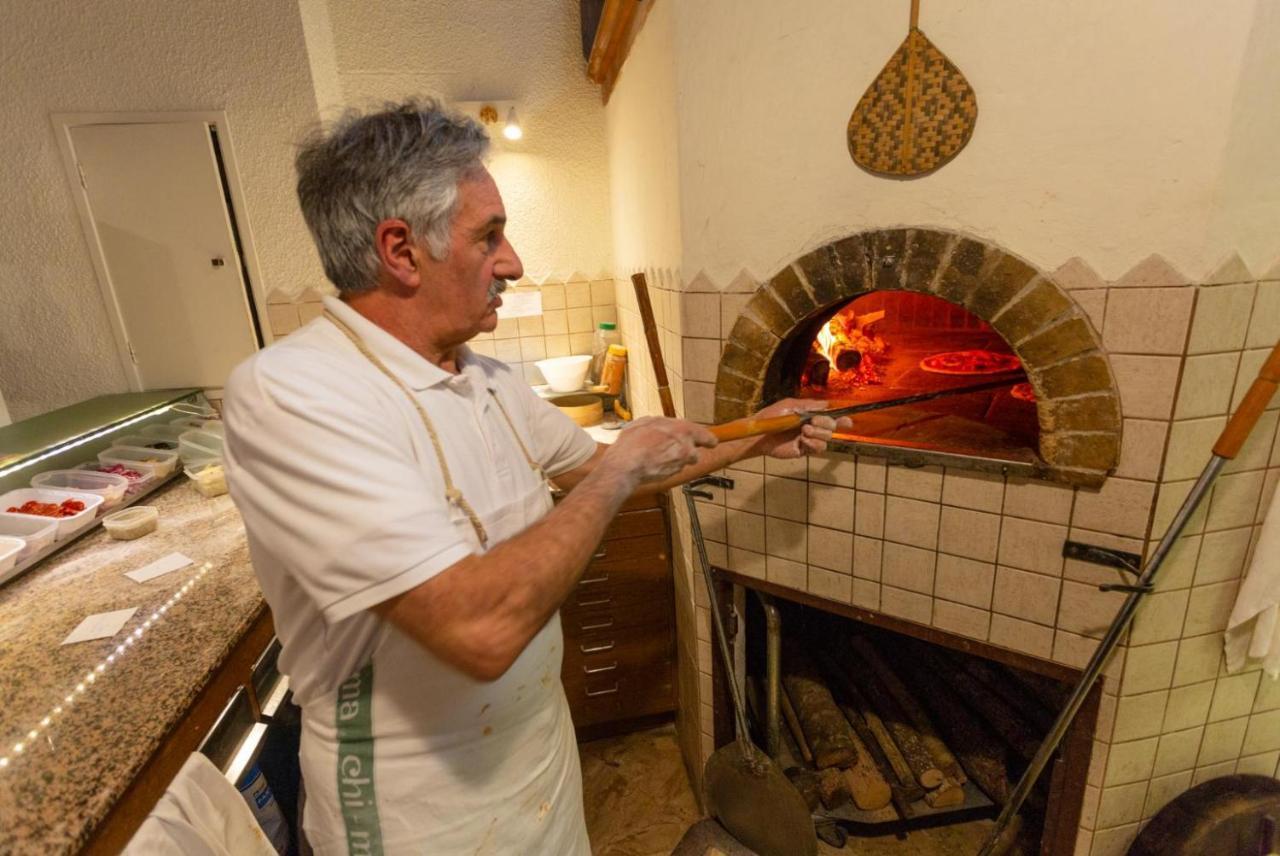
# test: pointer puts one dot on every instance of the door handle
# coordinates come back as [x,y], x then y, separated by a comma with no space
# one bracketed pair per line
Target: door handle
[217,261]
[594,693]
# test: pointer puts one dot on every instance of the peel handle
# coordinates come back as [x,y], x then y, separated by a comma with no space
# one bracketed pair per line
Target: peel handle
[1255,401]
[754,426]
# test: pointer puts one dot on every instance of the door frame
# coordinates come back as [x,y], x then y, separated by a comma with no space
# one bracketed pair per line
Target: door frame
[64,122]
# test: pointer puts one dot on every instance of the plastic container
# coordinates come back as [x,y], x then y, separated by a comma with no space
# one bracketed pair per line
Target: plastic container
[132,522]
[136,485]
[35,532]
[141,441]
[10,549]
[214,426]
[162,432]
[107,485]
[196,445]
[67,526]
[155,461]
[606,334]
[186,423]
[565,374]
[209,479]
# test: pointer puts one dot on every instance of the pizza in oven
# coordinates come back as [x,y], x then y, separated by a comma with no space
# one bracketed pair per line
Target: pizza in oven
[972,362]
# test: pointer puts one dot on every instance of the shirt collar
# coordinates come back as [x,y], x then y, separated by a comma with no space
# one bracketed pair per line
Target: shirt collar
[417,372]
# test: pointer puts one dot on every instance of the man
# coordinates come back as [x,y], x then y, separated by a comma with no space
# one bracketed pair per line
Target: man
[394,489]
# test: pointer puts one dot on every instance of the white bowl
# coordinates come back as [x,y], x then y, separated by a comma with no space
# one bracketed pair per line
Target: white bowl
[565,374]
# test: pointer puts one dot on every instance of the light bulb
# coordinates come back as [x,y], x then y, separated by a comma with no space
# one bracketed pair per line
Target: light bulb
[512,129]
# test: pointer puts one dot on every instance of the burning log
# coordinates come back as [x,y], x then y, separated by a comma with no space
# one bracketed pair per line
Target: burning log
[933,744]
[905,736]
[848,360]
[818,371]
[823,725]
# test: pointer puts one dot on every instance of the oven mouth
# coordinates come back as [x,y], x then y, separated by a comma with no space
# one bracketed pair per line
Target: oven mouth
[883,345]
[1064,425]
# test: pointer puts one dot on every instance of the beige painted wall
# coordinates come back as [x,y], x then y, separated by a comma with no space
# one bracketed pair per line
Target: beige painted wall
[245,57]
[1106,132]
[642,128]
[554,181]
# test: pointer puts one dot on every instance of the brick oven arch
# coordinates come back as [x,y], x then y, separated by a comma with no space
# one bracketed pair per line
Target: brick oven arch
[1078,407]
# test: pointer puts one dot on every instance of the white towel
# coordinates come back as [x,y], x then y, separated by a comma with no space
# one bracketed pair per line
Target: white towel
[200,814]
[1254,629]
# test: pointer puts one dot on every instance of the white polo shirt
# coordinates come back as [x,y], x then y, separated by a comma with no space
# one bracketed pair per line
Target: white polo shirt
[341,493]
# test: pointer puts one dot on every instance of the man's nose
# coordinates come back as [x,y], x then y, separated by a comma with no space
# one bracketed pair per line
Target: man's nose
[508,264]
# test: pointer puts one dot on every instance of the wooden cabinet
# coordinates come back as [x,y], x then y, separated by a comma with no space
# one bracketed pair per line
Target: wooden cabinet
[619,624]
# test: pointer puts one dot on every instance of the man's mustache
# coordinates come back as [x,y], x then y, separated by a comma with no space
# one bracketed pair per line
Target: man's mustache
[497,287]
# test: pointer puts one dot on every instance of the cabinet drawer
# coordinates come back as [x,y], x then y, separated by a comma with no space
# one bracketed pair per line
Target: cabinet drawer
[629,524]
[623,695]
[632,608]
[627,554]
[615,649]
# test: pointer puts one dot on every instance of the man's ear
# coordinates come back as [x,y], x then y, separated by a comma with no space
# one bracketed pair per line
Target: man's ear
[399,258]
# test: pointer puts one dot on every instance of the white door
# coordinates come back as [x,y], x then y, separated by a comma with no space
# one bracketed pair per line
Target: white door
[156,200]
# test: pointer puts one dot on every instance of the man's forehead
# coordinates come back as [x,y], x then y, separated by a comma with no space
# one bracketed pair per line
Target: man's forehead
[480,201]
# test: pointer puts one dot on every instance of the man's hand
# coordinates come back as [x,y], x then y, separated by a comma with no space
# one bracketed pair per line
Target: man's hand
[810,438]
[652,448]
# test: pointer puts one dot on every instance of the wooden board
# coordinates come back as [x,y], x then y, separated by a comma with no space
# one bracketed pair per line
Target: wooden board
[918,113]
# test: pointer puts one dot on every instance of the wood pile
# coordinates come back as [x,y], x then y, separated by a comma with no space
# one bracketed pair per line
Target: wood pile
[906,724]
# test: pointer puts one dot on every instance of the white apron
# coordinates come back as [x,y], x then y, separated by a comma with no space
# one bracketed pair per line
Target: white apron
[409,755]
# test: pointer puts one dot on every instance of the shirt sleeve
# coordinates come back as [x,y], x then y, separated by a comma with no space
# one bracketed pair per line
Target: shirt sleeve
[322,469]
[558,443]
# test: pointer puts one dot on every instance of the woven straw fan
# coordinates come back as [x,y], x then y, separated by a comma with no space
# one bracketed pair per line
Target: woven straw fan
[918,113]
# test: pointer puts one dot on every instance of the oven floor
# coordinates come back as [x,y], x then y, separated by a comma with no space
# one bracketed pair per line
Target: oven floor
[639,803]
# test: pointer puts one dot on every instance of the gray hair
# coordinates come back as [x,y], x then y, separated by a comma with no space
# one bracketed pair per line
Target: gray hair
[404,161]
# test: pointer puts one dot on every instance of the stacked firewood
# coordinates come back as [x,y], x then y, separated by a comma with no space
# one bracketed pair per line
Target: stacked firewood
[879,724]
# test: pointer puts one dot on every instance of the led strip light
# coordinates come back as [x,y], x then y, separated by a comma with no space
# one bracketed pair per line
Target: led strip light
[80,441]
[91,677]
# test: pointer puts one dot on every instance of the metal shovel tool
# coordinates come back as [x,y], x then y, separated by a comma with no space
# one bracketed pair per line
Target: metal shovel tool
[744,788]
[1225,449]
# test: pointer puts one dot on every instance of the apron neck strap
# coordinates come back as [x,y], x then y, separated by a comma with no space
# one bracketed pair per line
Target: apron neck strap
[451,491]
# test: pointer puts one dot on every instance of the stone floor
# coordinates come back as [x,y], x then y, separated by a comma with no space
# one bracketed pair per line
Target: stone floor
[639,803]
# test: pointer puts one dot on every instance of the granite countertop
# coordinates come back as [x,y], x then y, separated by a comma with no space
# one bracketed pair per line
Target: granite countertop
[85,753]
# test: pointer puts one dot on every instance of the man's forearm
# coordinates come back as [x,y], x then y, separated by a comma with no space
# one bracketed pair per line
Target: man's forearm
[482,612]
[709,460]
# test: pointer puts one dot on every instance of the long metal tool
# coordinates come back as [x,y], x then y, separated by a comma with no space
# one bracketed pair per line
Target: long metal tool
[1226,448]
[745,790]
[752,426]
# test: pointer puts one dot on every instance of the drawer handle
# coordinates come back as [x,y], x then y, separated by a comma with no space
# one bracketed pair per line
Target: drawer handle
[596,649]
[603,578]
[594,693]
[600,601]
[602,625]
[600,554]
[595,670]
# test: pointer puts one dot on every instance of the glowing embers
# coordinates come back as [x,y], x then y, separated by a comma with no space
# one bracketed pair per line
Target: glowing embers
[847,354]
